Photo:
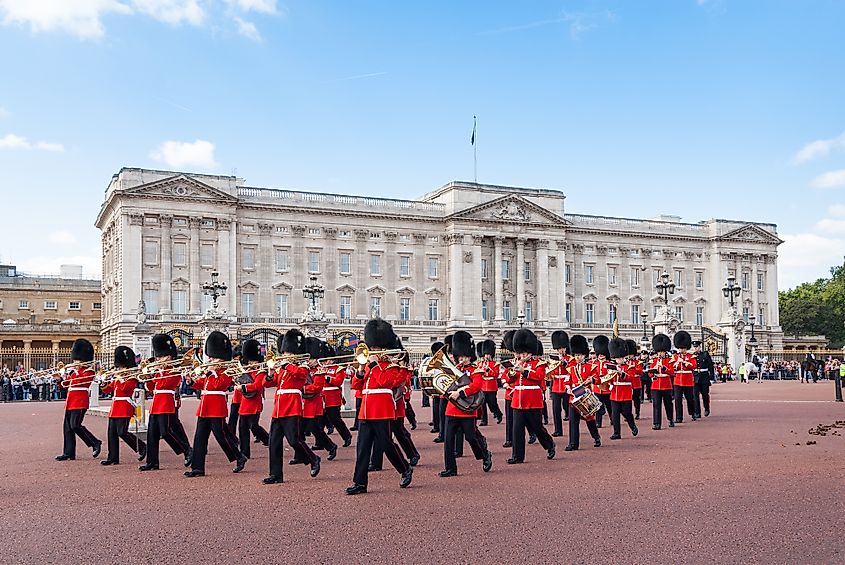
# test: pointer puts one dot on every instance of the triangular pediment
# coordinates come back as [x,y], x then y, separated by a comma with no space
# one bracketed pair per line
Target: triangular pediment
[752,234]
[282,286]
[510,209]
[345,288]
[182,187]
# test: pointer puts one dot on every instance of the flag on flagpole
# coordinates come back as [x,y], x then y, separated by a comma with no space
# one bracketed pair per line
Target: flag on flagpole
[472,139]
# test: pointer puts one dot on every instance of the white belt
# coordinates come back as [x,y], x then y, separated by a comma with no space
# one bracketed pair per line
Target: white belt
[489,378]
[126,398]
[78,388]
[164,391]
[288,391]
[526,387]
[559,377]
[626,383]
[217,392]
[377,391]
[325,388]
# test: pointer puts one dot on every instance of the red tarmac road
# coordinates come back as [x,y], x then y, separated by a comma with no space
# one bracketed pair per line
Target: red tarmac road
[741,486]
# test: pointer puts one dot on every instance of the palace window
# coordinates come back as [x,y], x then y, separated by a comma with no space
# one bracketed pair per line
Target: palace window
[179,299]
[529,312]
[433,264]
[568,313]
[611,313]
[313,261]
[180,254]
[74,305]
[345,307]
[526,270]
[679,278]
[485,314]
[248,258]
[282,305]
[375,307]
[761,315]
[209,223]
[679,313]
[375,264]
[699,280]
[206,303]
[589,312]
[506,269]
[151,300]
[484,269]
[568,273]
[635,314]
[313,231]
[50,305]
[97,306]
[611,276]
[433,309]
[745,314]
[761,281]
[506,310]
[150,252]
[743,281]
[23,305]
[588,274]
[699,315]
[281,260]
[345,263]
[180,222]
[635,277]
[404,266]
[207,255]
[248,304]
[404,308]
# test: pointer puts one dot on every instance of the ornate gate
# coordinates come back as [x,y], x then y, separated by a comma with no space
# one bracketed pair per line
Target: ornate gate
[266,336]
[183,339]
[344,342]
[715,344]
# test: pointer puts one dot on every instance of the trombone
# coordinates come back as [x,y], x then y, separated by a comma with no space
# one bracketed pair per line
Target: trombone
[114,374]
[68,381]
[149,366]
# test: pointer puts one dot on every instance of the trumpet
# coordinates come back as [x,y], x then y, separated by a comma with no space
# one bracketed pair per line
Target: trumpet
[273,360]
[362,354]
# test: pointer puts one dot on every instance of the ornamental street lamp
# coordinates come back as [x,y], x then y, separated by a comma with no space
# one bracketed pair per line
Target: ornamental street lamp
[521,319]
[665,287]
[645,341]
[731,290]
[753,340]
[215,289]
[313,292]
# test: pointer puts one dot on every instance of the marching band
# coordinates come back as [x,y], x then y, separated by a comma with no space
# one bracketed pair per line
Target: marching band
[462,379]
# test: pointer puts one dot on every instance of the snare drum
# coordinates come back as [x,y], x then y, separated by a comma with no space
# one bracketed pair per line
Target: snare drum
[585,401]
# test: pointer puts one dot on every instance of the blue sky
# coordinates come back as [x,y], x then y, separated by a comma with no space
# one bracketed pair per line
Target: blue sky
[698,108]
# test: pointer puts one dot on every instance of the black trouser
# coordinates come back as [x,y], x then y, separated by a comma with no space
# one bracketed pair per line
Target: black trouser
[702,397]
[663,397]
[605,408]
[45,392]
[410,414]
[287,428]
[161,426]
[314,426]
[180,437]
[508,421]
[638,400]
[531,419]
[435,413]
[119,430]
[491,402]
[247,427]
[442,417]
[234,415]
[624,408]
[224,437]
[73,427]
[403,440]
[560,407]
[476,441]
[575,427]
[375,434]
[647,388]
[682,392]
[357,411]
[426,402]
[334,419]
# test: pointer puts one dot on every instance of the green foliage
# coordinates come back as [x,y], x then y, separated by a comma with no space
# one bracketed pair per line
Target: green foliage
[816,308]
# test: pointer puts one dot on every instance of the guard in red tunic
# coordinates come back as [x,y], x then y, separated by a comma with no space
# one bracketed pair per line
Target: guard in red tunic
[164,422]
[436,399]
[289,380]
[252,397]
[602,390]
[580,372]
[635,373]
[621,389]
[122,408]
[333,400]
[661,370]
[559,377]
[400,432]
[527,402]
[684,364]
[489,380]
[376,382]
[212,409]
[312,393]
[234,407]
[78,381]
[505,376]
[456,418]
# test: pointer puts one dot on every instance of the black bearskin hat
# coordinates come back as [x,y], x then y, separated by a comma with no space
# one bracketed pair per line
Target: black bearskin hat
[163,345]
[632,346]
[462,345]
[524,341]
[219,346]
[487,347]
[617,348]
[124,357]
[436,346]
[560,339]
[292,342]
[661,342]
[478,352]
[578,345]
[251,351]
[683,340]
[600,345]
[378,333]
[539,349]
[507,340]
[447,341]
[237,351]
[314,347]
[82,350]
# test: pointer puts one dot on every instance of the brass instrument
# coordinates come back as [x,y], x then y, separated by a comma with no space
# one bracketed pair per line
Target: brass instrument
[149,367]
[68,381]
[107,377]
[274,361]
[51,372]
[447,378]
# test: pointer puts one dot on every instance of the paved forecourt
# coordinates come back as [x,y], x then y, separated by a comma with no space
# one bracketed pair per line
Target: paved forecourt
[741,486]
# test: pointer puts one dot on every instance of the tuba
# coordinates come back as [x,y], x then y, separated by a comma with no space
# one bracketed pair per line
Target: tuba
[446,377]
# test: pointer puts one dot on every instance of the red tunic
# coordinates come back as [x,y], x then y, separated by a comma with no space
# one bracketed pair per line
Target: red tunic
[333,391]
[237,397]
[601,370]
[528,386]
[77,390]
[684,364]
[579,373]
[376,387]
[622,389]
[399,397]
[213,387]
[661,379]
[122,405]
[636,373]
[505,376]
[312,405]
[164,389]
[289,379]
[560,375]
[470,389]
[255,404]
[489,382]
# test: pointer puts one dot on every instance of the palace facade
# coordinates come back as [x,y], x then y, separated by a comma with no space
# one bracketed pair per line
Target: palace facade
[479,257]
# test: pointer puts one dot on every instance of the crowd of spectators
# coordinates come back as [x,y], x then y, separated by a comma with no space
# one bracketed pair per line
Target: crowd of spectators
[19,385]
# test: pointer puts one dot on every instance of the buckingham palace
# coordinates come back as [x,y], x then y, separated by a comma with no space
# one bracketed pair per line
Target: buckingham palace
[479,257]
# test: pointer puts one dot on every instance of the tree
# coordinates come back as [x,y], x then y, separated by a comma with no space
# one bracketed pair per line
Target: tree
[816,308]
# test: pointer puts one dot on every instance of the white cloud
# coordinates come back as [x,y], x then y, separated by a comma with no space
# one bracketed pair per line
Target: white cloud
[62,237]
[172,11]
[831,226]
[819,148]
[82,18]
[179,154]
[262,6]
[12,141]
[831,179]
[4,113]
[806,257]
[247,29]
[837,210]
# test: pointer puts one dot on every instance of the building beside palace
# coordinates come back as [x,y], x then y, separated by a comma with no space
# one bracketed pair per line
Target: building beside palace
[42,315]
[465,256]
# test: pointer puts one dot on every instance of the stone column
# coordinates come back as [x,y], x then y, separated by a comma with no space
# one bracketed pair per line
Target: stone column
[233,270]
[456,258]
[419,303]
[390,277]
[520,275]
[164,264]
[224,240]
[130,272]
[265,269]
[497,278]
[361,301]
[27,354]
[543,275]
[772,290]
[474,284]
[559,291]
[194,265]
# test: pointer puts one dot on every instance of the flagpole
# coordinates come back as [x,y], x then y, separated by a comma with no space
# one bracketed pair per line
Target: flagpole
[474,151]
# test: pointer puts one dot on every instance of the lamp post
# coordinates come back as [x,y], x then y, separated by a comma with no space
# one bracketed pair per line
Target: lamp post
[665,287]
[645,341]
[753,340]
[215,289]
[731,290]
[521,319]
[313,292]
